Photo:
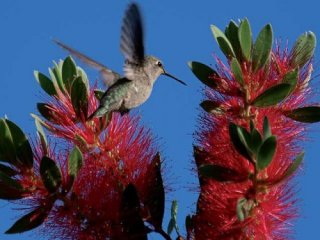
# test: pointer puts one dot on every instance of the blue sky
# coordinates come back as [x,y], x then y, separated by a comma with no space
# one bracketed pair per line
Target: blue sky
[176,32]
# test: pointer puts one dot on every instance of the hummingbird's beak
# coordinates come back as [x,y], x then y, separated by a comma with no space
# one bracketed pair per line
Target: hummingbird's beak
[173,77]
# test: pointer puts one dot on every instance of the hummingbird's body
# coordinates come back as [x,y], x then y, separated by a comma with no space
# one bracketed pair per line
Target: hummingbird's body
[140,71]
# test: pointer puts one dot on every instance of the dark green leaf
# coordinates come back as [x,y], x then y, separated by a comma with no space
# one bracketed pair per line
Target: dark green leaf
[69,72]
[98,93]
[204,73]
[239,141]
[50,174]
[8,181]
[17,147]
[29,221]
[8,170]
[266,128]
[294,166]
[7,149]
[291,78]
[303,49]
[133,225]
[45,83]
[310,114]
[188,223]
[256,141]
[232,34]
[244,137]
[25,154]
[75,162]
[46,111]
[156,195]
[79,98]
[262,48]
[266,152]
[223,42]
[10,193]
[245,38]
[237,71]
[272,95]
[219,173]
[171,226]
[211,107]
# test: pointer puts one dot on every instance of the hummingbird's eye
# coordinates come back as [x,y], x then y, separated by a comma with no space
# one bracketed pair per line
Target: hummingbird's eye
[159,64]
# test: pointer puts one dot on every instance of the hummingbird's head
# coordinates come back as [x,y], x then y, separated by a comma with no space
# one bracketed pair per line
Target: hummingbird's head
[154,68]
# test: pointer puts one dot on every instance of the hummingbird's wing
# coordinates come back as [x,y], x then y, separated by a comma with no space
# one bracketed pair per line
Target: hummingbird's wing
[108,76]
[131,42]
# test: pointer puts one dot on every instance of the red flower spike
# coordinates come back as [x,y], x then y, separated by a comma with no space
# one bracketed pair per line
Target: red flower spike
[113,156]
[268,197]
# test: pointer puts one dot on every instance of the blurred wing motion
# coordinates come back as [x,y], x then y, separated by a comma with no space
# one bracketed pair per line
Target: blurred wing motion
[108,76]
[131,42]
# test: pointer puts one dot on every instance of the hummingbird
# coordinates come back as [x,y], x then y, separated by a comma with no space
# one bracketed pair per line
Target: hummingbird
[140,71]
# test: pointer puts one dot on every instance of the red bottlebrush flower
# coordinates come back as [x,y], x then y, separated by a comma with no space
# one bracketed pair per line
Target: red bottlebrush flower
[239,197]
[99,190]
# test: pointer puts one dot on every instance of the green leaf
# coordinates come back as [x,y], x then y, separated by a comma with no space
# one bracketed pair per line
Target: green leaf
[240,212]
[17,148]
[237,71]
[211,107]
[83,75]
[266,152]
[50,174]
[262,48]
[42,122]
[56,78]
[171,226]
[310,114]
[75,163]
[155,202]
[10,182]
[132,222]
[256,141]
[239,141]
[188,223]
[56,75]
[79,98]
[218,173]
[266,128]
[204,73]
[25,154]
[7,170]
[45,83]
[69,72]
[7,149]
[232,34]
[245,38]
[272,95]
[291,78]
[41,135]
[303,50]
[174,209]
[223,42]
[244,137]
[244,208]
[10,193]
[294,166]
[46,111]
[29,221]
[98,93]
